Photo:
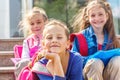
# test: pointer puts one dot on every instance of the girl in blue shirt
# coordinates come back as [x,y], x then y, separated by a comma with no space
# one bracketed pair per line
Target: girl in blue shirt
[58,63]
[96,25]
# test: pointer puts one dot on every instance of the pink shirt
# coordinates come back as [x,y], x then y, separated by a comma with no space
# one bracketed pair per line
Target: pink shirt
[31,45]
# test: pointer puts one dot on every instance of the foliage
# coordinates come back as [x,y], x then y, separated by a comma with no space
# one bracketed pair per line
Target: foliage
[58,9]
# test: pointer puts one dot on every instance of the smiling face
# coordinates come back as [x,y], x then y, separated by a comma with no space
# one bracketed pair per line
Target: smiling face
[97,17]
[55,39]
[37,24]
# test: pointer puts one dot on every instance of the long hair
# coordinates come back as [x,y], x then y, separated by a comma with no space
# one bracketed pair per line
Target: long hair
[81,20]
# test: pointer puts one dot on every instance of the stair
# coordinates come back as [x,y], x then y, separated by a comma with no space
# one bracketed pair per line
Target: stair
[6,53]
[8,44]
[7,73]
[5,58]
[7,66]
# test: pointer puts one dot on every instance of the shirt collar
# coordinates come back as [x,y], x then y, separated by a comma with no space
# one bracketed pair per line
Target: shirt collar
[36,36]
[91,31]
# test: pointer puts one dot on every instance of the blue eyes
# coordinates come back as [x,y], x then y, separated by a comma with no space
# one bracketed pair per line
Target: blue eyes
[38,22]
[95,15]
[56,38]
[35,23]
[59,37]
[49,38]
[32,24]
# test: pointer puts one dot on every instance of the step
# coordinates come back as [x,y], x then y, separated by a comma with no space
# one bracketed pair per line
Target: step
[7,73]
[8,44]
[5,58]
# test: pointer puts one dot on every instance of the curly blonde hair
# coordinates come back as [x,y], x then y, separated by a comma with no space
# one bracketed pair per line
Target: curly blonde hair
[24,23]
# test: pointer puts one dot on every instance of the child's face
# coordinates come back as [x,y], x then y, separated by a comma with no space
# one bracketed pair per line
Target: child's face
[55,39]
[37,24]
[97,17]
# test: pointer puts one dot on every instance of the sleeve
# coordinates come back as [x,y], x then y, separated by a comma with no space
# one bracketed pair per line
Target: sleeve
[107,55]
[25,51]
[77,68]
[59,78]
[75,45]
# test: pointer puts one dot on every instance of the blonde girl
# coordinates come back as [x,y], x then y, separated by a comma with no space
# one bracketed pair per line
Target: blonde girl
[58,63]
[32,26]
[95,22]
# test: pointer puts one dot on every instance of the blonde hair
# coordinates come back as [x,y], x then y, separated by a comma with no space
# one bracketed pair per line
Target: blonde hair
[81,21]
[57,23]
[24,24]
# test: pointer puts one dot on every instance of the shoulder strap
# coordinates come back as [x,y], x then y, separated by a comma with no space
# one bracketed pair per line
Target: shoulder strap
[40,69]
[83,48]
[18,51]
[27,74]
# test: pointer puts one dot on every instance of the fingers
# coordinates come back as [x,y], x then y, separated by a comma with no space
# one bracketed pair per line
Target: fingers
[48,54]
[51,56]
[30,64]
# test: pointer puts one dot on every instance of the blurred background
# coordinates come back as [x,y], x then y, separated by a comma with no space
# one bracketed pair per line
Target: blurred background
[12,11]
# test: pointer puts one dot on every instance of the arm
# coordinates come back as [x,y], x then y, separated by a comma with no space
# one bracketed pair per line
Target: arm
[76,68]
[54,66]
[58,70]
[25,51]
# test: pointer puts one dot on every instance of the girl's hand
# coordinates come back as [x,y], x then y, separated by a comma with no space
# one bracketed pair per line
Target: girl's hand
[54,64]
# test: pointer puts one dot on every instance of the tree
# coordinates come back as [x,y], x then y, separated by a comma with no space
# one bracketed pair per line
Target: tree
[59,9]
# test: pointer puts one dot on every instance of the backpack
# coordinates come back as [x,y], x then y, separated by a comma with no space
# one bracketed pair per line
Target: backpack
[27,73]
[83,48]
[18,51]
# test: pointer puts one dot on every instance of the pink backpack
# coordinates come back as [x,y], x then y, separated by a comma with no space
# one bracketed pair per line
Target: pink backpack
[26,73]
[18,51]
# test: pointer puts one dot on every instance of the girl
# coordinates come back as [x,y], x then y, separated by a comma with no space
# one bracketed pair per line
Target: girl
[96,25]
[58,63]
[32,26]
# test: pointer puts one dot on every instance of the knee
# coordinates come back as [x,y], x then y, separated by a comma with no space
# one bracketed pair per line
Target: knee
[95,62]
[115,62]
[92,63]
[98,64]
[93,67]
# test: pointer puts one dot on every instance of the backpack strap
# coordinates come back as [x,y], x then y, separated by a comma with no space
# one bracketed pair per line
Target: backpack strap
[40,68]
[18,50]
[83,46]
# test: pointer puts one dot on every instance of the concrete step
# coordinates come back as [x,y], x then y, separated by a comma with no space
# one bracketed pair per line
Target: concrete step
[5,58]
[7,73]
[8,44]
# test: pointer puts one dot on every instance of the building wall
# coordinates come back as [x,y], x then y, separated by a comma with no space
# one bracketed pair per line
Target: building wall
[15,17]
[4,19]
[10,16]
